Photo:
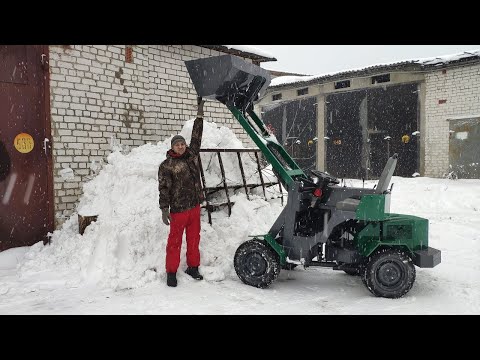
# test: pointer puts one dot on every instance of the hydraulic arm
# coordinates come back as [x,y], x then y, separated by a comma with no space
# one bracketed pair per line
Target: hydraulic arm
[238,84]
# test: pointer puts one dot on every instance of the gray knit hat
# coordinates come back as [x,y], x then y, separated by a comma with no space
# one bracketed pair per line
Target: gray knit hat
[177,138]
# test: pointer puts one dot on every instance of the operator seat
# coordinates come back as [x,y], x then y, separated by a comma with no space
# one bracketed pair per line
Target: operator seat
[351,204]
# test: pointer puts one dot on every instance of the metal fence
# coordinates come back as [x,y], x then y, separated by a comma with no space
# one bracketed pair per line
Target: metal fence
[210,190]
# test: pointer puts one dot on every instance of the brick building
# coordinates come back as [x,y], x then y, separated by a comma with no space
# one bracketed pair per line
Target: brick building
[348,123]
[63,107]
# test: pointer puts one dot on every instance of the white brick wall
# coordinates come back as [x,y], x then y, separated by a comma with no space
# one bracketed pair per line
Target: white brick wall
[460,87]
[95,95]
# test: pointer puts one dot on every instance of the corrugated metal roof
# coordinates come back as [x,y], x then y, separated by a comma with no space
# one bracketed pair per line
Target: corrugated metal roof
[424,64]
[243,51]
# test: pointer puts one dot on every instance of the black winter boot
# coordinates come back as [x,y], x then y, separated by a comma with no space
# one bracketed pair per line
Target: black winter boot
[193,272]
[172,279]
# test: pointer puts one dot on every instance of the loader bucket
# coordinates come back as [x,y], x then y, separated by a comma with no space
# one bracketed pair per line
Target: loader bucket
[228,79]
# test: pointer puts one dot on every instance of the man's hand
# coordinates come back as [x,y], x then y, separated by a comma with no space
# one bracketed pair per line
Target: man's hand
[200,103]
[166,216]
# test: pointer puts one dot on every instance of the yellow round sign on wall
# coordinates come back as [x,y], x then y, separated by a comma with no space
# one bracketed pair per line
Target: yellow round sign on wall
[23,143]
[405,139]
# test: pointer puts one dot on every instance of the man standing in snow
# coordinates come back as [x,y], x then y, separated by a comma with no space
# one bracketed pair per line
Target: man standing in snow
[180,197]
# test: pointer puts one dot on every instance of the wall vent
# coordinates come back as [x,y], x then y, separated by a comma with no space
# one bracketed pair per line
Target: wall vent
[303,91]
[380,79]
[342,84]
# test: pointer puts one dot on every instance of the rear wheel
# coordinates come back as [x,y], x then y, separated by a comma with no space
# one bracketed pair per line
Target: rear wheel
[389,273]
[256,263]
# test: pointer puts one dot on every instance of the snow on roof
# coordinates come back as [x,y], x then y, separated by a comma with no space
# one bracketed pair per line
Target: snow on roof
[246,51]
[282,80]
[422,62]
[251,50]
[243,51]
[445,59]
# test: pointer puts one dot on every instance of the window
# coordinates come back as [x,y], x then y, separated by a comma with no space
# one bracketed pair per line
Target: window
[380,79]
[342,84]
[276,97]
[303,91]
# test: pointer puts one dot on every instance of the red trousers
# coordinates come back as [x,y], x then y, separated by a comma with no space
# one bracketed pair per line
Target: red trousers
[188,221]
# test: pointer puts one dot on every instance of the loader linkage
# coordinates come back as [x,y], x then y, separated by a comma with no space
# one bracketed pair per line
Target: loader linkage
[323,224]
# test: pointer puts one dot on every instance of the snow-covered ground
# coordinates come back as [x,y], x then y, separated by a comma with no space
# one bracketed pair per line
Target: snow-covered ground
[117,266]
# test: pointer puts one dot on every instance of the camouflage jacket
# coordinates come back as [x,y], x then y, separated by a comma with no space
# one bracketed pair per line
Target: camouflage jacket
[179,183]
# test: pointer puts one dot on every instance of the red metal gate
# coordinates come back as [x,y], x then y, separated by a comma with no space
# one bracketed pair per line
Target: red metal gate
[26,191]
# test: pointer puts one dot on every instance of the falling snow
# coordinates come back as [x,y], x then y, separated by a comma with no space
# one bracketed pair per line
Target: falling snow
[117,266]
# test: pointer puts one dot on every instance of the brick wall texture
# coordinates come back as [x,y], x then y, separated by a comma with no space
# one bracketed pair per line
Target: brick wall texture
[97,96]
[460,87]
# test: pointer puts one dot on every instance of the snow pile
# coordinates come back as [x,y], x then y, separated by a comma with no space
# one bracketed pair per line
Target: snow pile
[11,257]
[125,247]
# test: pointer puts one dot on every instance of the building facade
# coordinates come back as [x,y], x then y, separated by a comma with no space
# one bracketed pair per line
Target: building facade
[427,111]
[64,108]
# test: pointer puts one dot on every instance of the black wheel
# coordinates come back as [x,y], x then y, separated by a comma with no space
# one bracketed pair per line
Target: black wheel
[389,273]
[256,263]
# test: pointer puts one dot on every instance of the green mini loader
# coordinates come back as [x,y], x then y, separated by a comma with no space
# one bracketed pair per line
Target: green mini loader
[323,224]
